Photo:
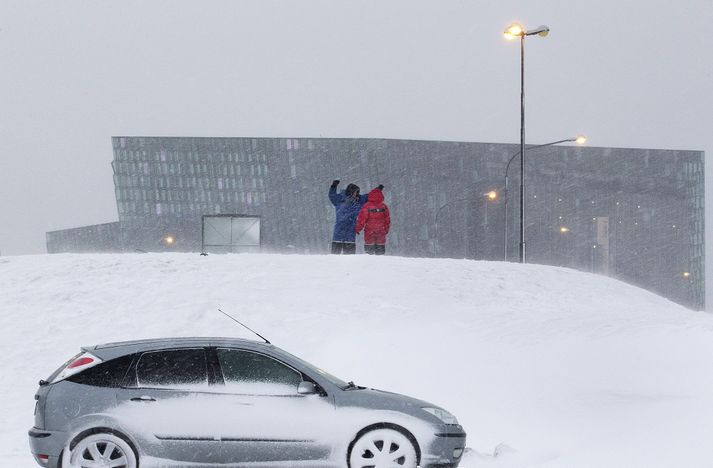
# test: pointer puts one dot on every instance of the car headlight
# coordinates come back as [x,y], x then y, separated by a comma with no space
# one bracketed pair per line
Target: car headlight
[442,414]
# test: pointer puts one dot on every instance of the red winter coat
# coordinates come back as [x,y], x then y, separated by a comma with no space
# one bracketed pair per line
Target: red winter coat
[374,219]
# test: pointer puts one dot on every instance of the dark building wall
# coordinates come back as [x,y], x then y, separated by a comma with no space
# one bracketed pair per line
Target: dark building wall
[87,239]
[165,185]
[652,201]
[633,214]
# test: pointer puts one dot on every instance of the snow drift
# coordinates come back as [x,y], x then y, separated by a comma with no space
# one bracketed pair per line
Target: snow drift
[554,367]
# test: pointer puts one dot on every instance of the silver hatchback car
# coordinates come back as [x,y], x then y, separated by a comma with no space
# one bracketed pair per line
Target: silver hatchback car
[227,402]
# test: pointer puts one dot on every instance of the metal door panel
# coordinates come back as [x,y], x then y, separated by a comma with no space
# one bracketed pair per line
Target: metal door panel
[231,234]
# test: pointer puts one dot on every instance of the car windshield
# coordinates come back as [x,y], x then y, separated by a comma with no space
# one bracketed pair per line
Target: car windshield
[335,380]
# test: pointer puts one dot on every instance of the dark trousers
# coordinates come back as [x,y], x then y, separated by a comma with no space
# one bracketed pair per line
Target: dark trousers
[375,249]
[345,248]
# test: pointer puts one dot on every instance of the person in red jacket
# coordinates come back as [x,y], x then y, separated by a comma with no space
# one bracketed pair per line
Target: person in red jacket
[374,219]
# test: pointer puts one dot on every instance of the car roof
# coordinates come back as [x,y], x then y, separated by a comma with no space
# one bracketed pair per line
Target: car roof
[121,348]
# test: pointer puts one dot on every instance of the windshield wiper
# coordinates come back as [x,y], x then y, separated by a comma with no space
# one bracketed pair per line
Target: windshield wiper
[351,386]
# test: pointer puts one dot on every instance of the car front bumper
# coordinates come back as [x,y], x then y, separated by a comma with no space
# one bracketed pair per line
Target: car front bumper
[447,448]
[47,444]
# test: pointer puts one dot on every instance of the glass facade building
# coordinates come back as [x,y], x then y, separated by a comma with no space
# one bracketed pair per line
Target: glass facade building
[634,214]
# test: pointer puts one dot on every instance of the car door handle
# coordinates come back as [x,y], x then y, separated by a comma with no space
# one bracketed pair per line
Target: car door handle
[143,398]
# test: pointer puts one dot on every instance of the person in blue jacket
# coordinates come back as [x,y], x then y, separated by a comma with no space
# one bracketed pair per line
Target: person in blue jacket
[347,204]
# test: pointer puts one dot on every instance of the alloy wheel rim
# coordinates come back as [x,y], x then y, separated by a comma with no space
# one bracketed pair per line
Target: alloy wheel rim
[101,454]
[382,449]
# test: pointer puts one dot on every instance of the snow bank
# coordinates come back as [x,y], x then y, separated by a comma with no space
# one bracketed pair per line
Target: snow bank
[561,367]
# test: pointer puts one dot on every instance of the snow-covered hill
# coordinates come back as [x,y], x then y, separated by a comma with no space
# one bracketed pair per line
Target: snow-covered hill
[568,369]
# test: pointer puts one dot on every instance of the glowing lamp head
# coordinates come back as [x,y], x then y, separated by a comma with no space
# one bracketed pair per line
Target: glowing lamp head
[580,139]
[169,240]
[492,195]
[686,274]
[513,31]
[564,229]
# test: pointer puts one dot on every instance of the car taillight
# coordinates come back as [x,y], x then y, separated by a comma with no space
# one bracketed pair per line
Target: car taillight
[82,362]
[42,458]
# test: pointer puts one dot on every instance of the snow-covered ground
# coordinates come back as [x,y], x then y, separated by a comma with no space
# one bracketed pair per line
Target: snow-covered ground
[565,368]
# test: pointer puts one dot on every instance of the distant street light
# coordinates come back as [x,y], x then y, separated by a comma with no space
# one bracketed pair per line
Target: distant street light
[582,240]
[438,212]
[514,31]
[490,196]
[579,139]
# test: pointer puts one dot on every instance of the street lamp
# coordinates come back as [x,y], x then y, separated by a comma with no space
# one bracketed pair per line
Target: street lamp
[518,30]
[438,212]
[579,139]
[490,197]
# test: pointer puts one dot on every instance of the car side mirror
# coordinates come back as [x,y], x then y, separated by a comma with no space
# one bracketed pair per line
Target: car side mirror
[306,388]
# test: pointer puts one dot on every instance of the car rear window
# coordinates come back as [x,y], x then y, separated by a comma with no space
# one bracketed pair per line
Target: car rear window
[107,374]
[178,368]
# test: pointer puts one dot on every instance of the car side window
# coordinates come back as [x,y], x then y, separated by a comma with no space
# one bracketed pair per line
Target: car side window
[254,373]
[180,369]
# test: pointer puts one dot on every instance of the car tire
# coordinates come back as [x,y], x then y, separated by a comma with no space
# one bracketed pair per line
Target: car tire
[382,448]
[101,449]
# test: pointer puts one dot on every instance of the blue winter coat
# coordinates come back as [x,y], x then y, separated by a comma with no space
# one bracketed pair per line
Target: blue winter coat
[347,213]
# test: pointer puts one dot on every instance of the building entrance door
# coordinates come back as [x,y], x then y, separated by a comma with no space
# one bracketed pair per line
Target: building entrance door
[231,234]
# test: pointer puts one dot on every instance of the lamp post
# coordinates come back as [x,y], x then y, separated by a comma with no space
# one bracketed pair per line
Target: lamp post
[517,30]
[578,241]
[438,212]
[579,139]
[489,197]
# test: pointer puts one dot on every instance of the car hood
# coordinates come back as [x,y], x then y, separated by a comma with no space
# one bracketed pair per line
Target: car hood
[382,400]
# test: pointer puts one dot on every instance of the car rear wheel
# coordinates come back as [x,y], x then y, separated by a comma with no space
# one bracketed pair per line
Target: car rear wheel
[382,448]
[102,451]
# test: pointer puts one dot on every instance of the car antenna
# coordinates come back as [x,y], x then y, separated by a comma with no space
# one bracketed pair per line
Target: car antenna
[241,323]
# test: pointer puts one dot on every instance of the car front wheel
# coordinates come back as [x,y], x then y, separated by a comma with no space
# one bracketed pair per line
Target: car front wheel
[102,451]
[382,448]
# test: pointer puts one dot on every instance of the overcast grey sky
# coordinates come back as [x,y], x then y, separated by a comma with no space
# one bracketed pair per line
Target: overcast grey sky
[73,73]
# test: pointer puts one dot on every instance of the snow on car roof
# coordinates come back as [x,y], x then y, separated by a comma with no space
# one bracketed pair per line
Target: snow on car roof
[174,341]
[122,348]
